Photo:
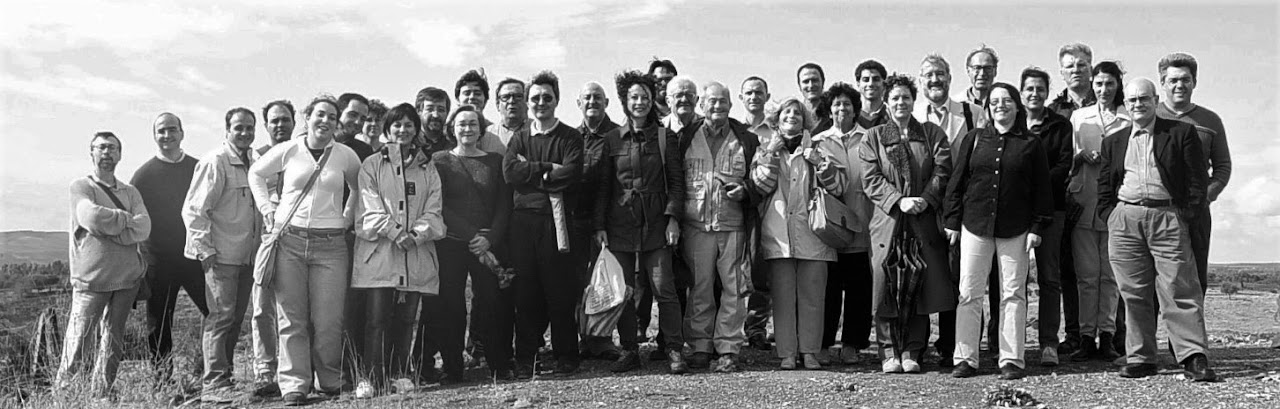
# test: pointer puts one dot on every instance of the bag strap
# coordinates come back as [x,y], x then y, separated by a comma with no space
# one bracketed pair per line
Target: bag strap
[110,195]
[968,117]
[315,174]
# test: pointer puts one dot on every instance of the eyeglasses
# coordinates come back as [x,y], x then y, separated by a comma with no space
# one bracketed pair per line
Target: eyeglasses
[542,98]
[509,98]
[980,68]
[106,148]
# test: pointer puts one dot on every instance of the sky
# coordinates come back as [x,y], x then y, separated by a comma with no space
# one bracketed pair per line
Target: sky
[72,67]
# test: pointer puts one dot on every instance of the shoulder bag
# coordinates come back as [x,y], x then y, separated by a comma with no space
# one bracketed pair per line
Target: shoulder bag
[264,263]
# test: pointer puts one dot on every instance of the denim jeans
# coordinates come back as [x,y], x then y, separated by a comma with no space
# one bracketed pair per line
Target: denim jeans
[310,285]
[264,331]
[227,289]
[88,308]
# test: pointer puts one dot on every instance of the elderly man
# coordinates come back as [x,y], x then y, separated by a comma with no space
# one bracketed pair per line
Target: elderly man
[716,228]
[1151,186]
[592,100]
[1076,66]
[870,75]
[981,64]
[513,113]
[108,223]
[662,71]
[682,97]
[223,228]
[163,181]
[1178,77]
[278,121]
[541,165]
[754,94]
[812,80]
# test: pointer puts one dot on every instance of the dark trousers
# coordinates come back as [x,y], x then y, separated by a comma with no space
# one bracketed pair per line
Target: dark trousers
[456,264]
[759,303]
[645,297]
[654,268]
[1199,230]
[170,274]
[1070,293]
[546,289]
[388,327]
[849,289]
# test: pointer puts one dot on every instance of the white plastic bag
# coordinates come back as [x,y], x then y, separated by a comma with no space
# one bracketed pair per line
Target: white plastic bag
[607,288]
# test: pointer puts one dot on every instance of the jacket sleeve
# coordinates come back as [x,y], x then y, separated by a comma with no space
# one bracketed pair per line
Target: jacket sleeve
[749,151]
[831,175]
[1058,146]
[516,167]
[204,193]
[375,219]
[101,220]
[1041,190]
[1107,188]
[953,205]
[557,180]
[882,193]
[430,224]
[501,213]
[764,172]
[1197,172]
[935,190]
[267,167]
[604,183]
[674,174]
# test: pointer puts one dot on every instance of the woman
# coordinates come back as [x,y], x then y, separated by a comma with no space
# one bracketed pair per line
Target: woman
[1099,294]
[397,227]
[785,172]
[313,262]
[477,205]
[849,284]
[637,214]
[998,201]
[906,165]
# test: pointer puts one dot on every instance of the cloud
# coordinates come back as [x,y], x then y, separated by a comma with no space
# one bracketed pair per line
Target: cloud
[192,80]
[1259,196]
[129,27]
[71,85]
[632,15]
[439,42]
[544,53]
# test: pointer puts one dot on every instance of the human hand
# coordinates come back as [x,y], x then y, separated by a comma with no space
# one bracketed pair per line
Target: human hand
[478,245]
[1033,241]
[813,156]
[912,205]
[735,192]
[953,236]
[602,238]
[404,241]
[673,232]
[207,263]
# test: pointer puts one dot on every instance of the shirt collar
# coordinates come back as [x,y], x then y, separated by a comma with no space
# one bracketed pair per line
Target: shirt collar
[1150,128]
[972,94]
[533,127]
[181,156]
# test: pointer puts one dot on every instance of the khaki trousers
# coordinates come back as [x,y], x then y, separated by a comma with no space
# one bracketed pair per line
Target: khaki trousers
[712,256]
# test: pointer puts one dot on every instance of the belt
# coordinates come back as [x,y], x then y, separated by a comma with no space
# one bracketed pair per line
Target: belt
[1150,203]
[315,233]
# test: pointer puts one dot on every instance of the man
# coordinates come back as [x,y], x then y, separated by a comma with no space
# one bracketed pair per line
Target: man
[595,125]
[870,75]
[513,114]
[1151,186]
[754,94]
[433,108]
[682,97]
[354,110]
[223,229]
[1076,67]
[662,71]
[108,223]
[1054,132]
[541,166]
[981,64]
[717,155]
[163,181]
[811,80]
[371,133]
[1178,77]
[278,121]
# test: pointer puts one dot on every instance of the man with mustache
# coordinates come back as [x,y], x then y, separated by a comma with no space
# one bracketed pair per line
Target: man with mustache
[812,79]
[278,120]
[662,71]
[223,227]
[754,94]
[592,100]
[108,223]
[433,107]
[716,224]
[163,182]
[981,64]
[1178,77]
[870,75]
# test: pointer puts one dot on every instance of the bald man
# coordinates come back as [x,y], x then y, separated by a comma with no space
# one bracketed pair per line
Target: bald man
[163,182]
[592,100]
[1152,183]
[717,154]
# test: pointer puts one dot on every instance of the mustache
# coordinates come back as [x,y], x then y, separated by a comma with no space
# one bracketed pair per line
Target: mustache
[932,84]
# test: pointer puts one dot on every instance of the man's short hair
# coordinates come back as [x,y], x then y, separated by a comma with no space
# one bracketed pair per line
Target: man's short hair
[432,94]
[377,110]
[509,80]
[549,79]
[983,48]
[870,65]
[935,59]
[175,118]
[755,78]
[469,77]
[104,135]
[345,99]
[812,65]
[1080,50]
[678,81]
[284,103]
[660,63]
[899,80]
[1033,72]
[1179,60]
[841,89]
[238,110]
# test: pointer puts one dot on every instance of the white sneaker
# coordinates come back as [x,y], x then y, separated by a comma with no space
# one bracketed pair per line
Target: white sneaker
[1048,356]
[910,365]
[891,365]
[364,390]
[403,385]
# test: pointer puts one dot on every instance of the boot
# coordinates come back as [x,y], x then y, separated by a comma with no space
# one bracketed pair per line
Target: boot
[1107,347]
[1086,352]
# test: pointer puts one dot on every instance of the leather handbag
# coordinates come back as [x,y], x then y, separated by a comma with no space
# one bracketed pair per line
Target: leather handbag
[264,262]
[831,220]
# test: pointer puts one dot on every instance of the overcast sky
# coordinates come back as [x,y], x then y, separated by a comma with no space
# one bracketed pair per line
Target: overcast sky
[71,67]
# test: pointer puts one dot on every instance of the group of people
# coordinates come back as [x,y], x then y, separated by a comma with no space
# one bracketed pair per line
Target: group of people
[382,218]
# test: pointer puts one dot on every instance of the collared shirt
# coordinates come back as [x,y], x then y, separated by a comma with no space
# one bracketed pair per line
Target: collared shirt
[1064,105]
[1001,184]
[762,130]
[219,212]
[181,155]
[673,122]
[1141,176]
[497,136]
[864,122]
[979,108]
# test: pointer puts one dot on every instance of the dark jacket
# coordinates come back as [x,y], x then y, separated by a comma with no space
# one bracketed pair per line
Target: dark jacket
[593,175]
[1179,158]
[1055,136]
[1000,185]
[645,187]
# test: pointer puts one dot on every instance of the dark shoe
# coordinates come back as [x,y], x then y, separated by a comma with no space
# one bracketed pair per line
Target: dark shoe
[1010,372]
[659,354]
[428,375]
[265,387]
[678,366]
[629,360]
[1139,370]
[452,379]
[700,360]
[727,363]
[1197,368]
[1069,345]
[1106,347]
[502,375]
[611,354]
[524,371]
[1086,351]
[566,367]
[963,370]
[295,399]
[946,361]
[760,342]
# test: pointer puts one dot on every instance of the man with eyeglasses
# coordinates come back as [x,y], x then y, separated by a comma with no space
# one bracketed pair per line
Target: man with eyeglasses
[1151,186]
[662,71]
[513,117]
[109,222]
[682,97]
[981,64]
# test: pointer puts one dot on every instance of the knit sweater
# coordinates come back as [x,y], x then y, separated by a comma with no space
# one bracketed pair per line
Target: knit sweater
[164,186]
[475,196]
[104,238]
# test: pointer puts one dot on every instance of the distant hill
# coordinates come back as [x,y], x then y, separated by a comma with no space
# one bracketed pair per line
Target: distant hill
[25,246]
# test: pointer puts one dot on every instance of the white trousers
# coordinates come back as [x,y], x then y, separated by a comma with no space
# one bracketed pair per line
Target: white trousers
[975,267]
